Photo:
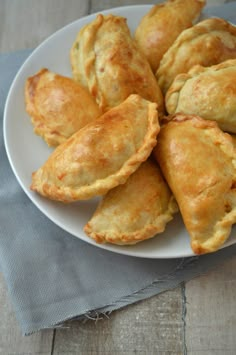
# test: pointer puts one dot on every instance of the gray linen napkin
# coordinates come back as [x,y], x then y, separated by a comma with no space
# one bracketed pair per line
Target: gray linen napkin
[51,275]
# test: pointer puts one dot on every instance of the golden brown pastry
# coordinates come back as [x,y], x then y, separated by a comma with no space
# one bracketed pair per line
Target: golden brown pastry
[100,155]
[209,42]
[58,106]
[106,60]
[198,161]
[134,211]
[233,136]
[208,92]
[159,28]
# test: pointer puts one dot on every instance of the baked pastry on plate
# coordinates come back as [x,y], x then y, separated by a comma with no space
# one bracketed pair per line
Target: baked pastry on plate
[101,155]
[208,92]
[159,28]
[106,60]
[209,42]
[134,211]
[58,106]
[198,161]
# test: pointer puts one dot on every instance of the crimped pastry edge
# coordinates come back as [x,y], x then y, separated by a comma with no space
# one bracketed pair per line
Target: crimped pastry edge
[149,231]
[222,228]
[201,28]
[67,194]
[173,93]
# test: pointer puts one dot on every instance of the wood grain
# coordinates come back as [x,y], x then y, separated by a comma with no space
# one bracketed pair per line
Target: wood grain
[153,326]
[211,312]
[26,23]
[106,4]
[157,321]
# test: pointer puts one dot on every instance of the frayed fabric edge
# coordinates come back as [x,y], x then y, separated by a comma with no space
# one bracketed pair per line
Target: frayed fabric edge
[156,287]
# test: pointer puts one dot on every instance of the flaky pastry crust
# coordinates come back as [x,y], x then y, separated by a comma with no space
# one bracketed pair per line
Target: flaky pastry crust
[198,161]
[101,155]
[134,211]
[207,43]
[208,92]
[106,60]
[58,106]
[160,27]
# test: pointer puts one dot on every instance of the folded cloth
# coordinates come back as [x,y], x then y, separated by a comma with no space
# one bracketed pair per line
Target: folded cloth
[53,276]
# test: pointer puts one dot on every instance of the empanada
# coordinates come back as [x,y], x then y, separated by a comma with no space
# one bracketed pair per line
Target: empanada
[208,92]
[198,161]
[134,211]
[58,106]
[209,42]
[100,155]
[159,28]
[106,60]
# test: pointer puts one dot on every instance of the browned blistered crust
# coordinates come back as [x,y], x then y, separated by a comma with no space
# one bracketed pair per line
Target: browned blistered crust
[58,106]
[198,161]
[209,92]
[106,60]
[160,27]
[209,42]
[101,155]
[134,211]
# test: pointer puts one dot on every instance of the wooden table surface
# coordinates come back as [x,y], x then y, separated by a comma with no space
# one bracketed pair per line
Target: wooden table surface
[195,318]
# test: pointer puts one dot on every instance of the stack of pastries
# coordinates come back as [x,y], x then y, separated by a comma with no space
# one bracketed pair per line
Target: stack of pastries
[146,121]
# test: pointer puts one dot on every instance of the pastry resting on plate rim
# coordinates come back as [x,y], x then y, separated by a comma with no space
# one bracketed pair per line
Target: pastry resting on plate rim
[209,92]
[106,60]
[58,106]
[160,27]
[101,155]
[209,42]
[198,161]
[134,211]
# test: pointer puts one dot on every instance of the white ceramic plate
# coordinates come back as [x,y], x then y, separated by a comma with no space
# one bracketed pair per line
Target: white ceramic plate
[27,152]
